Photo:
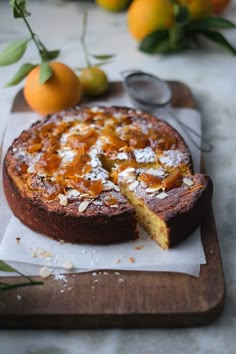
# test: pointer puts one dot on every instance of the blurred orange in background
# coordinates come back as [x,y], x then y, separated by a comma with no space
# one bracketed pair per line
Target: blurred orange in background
[145,17]
[219,6]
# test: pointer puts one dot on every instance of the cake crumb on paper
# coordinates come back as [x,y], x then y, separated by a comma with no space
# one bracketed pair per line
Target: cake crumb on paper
[139,247]
[19,297]
[117,260]
[131,260]
[68,265]
[45,272]
[18,240]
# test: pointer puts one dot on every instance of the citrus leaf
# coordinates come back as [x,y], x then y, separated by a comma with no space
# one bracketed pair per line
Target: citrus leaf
[45,72]
[218,38]
[211,23]
[50,54]
[21,74]
[103,56]
[4,267]
[151,41]
[13,52]
[19,8]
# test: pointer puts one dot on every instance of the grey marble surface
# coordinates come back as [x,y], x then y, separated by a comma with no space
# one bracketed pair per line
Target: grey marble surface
[211,74]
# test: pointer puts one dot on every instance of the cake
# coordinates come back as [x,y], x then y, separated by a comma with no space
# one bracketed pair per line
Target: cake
[91,174]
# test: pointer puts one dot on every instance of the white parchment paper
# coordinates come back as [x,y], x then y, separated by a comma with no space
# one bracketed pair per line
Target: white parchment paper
[35,250]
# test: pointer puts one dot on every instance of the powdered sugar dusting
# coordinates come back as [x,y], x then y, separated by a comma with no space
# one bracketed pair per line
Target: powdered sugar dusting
[173,158]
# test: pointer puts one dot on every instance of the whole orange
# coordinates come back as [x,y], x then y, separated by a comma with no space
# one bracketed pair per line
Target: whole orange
[61,91]
[198,8]
[145,17]
[94,81]
[219,5]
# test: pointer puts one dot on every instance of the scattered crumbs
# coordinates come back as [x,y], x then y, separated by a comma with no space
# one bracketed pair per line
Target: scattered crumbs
[117,273]
[62,291]
[41,253]
[211,251]
[68,265]
[18,240]
[61,242]
[117,261]
[94,274]
[60,277]
[121,280]
[96,280]
[131,260]
[105,273]
[19,297]
[100,273]
[93,287]
[70,288]
[139,247]
[45,272]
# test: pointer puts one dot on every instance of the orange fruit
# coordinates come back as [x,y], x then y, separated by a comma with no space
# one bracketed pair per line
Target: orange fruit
[145,17]
[113,5]
[94,81]
[219,5]
[61,91]
[198,8]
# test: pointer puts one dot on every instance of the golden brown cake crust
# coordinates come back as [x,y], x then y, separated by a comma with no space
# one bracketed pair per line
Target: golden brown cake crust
[89,208]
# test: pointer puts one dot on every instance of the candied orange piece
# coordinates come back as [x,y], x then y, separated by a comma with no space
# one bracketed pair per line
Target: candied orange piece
[150,180]
[47,129]
[174,180]
[110,200]
[49,162]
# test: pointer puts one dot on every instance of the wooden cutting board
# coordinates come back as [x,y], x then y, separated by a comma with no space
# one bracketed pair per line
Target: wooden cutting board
[129,299]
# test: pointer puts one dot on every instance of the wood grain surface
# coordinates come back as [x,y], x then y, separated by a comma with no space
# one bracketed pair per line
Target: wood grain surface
[141,300]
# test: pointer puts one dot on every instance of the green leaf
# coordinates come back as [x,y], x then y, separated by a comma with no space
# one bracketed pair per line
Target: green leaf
[50,54]
[21,74]
[150,43]
[45,72]
[218,38]
[211,23]
[13,52]
[19,8]
[4,267]
[103,56]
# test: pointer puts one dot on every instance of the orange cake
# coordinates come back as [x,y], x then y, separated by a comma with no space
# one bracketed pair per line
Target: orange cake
[89,175]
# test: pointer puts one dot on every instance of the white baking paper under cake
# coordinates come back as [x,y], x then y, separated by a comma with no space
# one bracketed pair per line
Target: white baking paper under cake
[35,250]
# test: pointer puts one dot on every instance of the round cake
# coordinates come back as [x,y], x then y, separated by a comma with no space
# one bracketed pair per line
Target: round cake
[91,174]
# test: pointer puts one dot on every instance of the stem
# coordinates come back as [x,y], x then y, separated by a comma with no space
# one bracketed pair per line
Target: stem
[82,38]
[19,285]
[33,35]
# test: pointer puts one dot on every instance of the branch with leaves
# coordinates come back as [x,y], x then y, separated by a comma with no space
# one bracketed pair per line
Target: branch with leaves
[186,33]
[16,50]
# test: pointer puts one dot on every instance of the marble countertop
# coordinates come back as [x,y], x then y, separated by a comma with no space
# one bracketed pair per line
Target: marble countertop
[211,75]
